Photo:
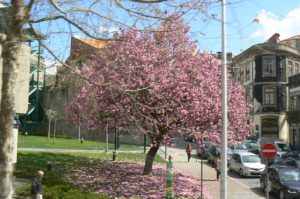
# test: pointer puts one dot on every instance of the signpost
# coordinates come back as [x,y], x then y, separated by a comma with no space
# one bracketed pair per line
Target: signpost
[169,187]
[268,151]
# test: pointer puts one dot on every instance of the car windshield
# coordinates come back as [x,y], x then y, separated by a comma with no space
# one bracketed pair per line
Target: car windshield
[241,147]
[283,147]
[250,158]
[290,175]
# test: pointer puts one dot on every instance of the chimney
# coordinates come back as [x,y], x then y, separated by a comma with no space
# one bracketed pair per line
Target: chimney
[274,38]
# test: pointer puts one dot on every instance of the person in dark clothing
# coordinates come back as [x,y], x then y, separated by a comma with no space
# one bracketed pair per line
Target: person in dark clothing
[189,151]
[217,164]
[36,189]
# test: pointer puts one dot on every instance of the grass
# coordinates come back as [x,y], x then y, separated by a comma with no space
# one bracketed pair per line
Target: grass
[63,143]
[54,184]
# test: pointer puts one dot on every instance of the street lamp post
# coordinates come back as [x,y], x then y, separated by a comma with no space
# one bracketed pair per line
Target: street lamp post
[202,154]
[223,192]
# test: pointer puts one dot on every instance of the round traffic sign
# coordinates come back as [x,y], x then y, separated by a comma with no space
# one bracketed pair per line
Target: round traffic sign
[269,150]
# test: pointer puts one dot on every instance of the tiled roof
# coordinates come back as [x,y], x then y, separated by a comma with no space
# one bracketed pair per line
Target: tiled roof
[292,38]
[92,42]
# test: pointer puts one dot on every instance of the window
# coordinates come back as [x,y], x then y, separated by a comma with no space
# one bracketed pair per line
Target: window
[293,103]
[242,74]
[269,66]
[248,71]
[296,68]
[247,96]
[237,74]
[269,96]
[290,68]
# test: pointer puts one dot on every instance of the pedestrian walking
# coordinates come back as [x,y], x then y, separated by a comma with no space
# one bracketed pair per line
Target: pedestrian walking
[217,164]
[189,151]
[36,188]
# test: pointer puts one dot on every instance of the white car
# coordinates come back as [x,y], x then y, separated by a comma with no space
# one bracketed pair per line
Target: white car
[246,164]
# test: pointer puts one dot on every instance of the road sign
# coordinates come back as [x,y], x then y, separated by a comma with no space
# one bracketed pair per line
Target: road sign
[269,150]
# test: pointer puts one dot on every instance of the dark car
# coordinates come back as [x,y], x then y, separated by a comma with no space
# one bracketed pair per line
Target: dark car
[213,150]
[292,154]
[255,150]
[251,143]
[202,150]
[285,181]
[293,162]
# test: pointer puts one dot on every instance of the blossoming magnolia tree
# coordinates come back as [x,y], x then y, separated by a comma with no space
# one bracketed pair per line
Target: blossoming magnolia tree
[159,84]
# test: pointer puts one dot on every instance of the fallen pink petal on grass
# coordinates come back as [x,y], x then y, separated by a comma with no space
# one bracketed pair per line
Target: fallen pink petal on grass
[125,180]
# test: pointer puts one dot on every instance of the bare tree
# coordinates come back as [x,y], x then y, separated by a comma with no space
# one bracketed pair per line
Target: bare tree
[92,18]
[51,115]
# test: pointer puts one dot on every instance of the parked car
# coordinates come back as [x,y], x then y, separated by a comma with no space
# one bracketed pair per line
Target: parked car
[285,181]
[255,150]
[213,150]
[293,162]
[251,143]
[239,147]
[246,164]
[202,151]
[281,148]
[292,154]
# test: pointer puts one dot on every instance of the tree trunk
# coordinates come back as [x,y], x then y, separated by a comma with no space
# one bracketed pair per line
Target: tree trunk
[149,160]
[11,47]
[6,118]
[49,130]
[54,131]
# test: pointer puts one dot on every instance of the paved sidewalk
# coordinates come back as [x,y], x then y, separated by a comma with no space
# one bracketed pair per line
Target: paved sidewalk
[236,190]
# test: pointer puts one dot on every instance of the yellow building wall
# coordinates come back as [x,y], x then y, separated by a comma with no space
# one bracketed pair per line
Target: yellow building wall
[283,126]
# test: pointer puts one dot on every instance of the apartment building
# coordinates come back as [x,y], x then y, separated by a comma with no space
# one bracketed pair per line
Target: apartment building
[264,70]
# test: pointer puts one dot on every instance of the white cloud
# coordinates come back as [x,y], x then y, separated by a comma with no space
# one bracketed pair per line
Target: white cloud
[270,23]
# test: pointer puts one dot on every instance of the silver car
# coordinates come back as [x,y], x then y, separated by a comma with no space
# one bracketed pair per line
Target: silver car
[246,164]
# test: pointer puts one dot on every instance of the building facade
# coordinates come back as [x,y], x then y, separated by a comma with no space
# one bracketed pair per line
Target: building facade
[264,69]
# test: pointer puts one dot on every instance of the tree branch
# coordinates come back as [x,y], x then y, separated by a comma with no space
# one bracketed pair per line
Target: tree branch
[137,13]
[30,4]
[68,21]
[148,1]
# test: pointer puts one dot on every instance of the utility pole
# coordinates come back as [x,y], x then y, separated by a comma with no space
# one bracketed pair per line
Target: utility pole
[223,191]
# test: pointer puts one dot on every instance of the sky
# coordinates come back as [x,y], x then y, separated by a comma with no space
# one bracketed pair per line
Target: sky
[248,22]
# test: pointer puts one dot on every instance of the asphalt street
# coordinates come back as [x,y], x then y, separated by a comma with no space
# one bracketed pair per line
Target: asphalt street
[238,188]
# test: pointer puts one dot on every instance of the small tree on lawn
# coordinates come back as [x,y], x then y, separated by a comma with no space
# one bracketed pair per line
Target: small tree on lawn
[51,115]
[167,87]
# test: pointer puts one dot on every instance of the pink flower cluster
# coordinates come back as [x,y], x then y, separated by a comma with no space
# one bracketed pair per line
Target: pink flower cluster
[159,84]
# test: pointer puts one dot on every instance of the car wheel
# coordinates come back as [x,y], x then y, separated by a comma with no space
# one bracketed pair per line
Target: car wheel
[262,186]
[281,194]
[241,173]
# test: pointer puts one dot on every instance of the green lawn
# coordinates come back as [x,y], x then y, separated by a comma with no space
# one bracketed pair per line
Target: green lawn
[55,186]
[63,143]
